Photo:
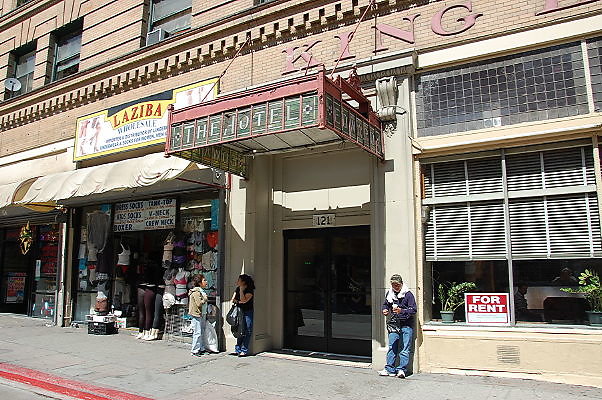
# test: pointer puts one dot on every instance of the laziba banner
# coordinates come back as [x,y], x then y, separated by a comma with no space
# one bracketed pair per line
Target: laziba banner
[137,124]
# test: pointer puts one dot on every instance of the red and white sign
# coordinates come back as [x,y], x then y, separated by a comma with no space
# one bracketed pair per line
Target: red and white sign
[487,308]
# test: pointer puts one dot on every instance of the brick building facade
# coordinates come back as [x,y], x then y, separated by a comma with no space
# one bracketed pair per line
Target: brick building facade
[474,81]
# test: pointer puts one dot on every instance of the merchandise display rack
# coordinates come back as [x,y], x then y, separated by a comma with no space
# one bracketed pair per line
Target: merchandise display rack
[177,325]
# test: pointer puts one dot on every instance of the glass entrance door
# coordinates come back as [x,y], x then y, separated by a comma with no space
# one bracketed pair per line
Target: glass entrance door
[327,290]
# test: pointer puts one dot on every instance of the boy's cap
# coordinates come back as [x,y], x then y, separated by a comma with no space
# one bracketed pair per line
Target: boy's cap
[396,278]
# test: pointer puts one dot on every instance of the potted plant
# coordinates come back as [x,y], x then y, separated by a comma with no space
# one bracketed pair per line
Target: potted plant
[589,285]
[451,296]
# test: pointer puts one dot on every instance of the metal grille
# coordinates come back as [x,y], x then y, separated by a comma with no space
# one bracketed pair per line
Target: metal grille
[569,226]
[177,324]
[508,354]
[565,167]
[594,53]
[550,169]
[532,86]
[466,231]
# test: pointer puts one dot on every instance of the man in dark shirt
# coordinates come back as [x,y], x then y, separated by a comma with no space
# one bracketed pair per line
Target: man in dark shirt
[399,307]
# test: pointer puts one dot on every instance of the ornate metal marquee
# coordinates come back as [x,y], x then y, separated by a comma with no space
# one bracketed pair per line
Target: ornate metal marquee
[298,113]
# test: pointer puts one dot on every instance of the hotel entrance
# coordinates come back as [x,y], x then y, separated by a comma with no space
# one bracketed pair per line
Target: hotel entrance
[327,290]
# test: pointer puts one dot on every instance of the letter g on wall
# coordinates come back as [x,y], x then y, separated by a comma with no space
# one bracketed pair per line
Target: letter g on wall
[469,20]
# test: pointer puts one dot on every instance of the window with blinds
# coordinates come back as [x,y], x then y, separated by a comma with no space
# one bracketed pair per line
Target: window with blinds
[550,199]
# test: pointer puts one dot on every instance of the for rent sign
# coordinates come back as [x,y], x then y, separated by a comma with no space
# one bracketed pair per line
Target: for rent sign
[487,308]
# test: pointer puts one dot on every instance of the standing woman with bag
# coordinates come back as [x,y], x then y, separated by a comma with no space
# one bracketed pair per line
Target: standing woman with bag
[197,308]
[243,297]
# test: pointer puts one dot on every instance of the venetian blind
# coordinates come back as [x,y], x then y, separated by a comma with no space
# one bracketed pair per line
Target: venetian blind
[562,223]
[465,230]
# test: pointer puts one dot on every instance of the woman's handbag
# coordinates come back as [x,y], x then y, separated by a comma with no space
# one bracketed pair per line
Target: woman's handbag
[234,315]
[235,318]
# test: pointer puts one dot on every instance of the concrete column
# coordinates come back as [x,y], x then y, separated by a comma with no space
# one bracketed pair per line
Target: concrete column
[248,247]
[394,213]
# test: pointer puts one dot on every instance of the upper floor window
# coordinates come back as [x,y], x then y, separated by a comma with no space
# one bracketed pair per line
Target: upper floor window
[23,64]
[171,16]
[21,2]
[68,47]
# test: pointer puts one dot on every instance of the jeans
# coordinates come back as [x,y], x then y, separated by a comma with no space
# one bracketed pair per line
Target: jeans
[400,345]
[242,343]
[197,335]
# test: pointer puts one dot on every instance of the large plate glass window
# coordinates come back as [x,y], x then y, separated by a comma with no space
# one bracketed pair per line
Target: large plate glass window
[541,226]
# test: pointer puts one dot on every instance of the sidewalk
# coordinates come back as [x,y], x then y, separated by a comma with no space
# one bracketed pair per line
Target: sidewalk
[160,370]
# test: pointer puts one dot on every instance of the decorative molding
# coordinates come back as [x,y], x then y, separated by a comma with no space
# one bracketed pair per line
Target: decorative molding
[386,91]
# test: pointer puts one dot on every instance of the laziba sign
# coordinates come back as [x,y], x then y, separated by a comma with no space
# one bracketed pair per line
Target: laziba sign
[136,124]
[487,308]
[145,215]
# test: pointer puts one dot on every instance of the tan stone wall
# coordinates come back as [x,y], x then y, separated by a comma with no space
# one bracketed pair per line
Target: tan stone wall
[558,355]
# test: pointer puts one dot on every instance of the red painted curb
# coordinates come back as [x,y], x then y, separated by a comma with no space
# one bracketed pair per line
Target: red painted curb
[53,383]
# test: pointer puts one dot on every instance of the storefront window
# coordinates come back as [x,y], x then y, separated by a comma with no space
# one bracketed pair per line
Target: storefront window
[533,214]
[29,281]
[136,260]
[490,276]
[538,294]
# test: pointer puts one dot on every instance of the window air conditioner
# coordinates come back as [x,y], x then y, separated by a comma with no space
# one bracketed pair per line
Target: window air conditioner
[155,36]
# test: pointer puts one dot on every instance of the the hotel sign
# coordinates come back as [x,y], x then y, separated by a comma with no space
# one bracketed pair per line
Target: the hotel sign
[136,124]
[298,113]
[274,116]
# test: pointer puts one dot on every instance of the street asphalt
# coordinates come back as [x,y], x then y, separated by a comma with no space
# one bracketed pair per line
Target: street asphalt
[166,370]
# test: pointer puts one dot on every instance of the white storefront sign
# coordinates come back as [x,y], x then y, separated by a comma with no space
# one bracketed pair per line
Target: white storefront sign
[487,308]
[145,215]
[137,124]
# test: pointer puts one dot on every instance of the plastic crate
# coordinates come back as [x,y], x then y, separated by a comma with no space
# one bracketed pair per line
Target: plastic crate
[101,328]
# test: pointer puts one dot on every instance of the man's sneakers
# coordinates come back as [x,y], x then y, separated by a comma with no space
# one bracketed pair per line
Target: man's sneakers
[384,372]
[399,374]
